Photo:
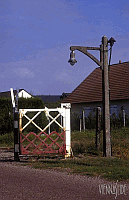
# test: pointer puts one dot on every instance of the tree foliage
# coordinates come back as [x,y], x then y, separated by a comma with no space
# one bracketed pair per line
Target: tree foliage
[6,111]
[6,116]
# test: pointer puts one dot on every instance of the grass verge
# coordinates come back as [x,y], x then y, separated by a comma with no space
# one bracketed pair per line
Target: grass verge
[108,168]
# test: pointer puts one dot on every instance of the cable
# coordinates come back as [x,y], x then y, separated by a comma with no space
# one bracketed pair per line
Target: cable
[110,57]
[111,41]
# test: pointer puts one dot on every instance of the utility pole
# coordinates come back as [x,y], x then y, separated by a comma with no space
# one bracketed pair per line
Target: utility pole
[103,63]
[105,100]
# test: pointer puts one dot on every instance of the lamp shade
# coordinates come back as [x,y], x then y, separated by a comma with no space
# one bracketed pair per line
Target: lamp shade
[72,59]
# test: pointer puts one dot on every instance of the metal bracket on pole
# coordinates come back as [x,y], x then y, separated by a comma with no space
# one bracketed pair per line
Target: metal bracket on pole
[84,50]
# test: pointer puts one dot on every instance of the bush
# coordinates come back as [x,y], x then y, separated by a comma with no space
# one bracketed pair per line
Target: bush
[118,122]
[30,103]
[7,139]
[78,147]
[90,121]
[6,116]
[6,112]
[75,121]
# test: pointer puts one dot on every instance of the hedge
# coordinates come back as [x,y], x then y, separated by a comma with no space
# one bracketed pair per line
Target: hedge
[6,111]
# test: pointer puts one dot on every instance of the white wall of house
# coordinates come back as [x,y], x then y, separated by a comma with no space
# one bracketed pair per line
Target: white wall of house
[115,107]
[24,94]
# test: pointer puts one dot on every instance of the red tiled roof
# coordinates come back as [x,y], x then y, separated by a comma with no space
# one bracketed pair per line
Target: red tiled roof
[90,90]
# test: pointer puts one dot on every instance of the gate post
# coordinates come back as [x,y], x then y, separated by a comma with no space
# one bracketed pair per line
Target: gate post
[16,138]
[16,125]
[20,129]
[66,123]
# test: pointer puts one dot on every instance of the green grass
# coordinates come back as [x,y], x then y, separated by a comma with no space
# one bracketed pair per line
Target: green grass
[84,143]
[7,140]
[120,143]
[108,168]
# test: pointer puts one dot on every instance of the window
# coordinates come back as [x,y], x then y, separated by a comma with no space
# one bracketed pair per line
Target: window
[87,111]
[113,110]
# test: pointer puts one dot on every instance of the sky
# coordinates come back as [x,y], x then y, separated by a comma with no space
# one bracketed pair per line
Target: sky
[36,35]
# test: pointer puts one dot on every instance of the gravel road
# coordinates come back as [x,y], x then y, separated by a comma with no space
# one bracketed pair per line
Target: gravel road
[23,182]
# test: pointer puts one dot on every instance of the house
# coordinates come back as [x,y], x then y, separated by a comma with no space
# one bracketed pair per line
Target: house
[22,93]
[88,95]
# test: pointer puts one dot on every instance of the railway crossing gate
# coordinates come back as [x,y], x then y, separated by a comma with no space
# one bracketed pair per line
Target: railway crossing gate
[32,136]
[43,141]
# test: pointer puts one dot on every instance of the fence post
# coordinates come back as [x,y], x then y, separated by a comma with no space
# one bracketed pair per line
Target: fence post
[124,117]
[83,116]
[98,127]
[80,124]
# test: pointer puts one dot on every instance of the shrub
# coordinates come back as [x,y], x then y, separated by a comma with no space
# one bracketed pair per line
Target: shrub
[118,122]
[7,139]
[6,116]
[6,112]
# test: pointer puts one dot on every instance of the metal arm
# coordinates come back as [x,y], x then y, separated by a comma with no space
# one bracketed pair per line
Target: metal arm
[84,50]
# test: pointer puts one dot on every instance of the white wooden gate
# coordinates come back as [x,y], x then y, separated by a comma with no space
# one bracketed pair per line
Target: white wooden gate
[42,142]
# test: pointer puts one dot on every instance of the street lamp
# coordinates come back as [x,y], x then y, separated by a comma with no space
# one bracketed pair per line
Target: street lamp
[103,63]
[72,59]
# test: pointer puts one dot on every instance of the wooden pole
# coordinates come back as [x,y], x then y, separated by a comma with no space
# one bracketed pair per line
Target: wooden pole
[105,96]
[83,116]
[124,117]
[80,125]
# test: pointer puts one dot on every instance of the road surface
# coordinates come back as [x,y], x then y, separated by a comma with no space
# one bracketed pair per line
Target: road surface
[23,182]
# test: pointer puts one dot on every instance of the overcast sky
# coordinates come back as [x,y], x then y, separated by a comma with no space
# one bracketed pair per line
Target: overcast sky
[35,37]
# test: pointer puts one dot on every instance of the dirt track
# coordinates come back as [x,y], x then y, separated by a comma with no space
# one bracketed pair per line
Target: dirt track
[22,182]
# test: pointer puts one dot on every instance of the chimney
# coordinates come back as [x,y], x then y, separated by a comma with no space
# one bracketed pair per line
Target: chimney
[119,61]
